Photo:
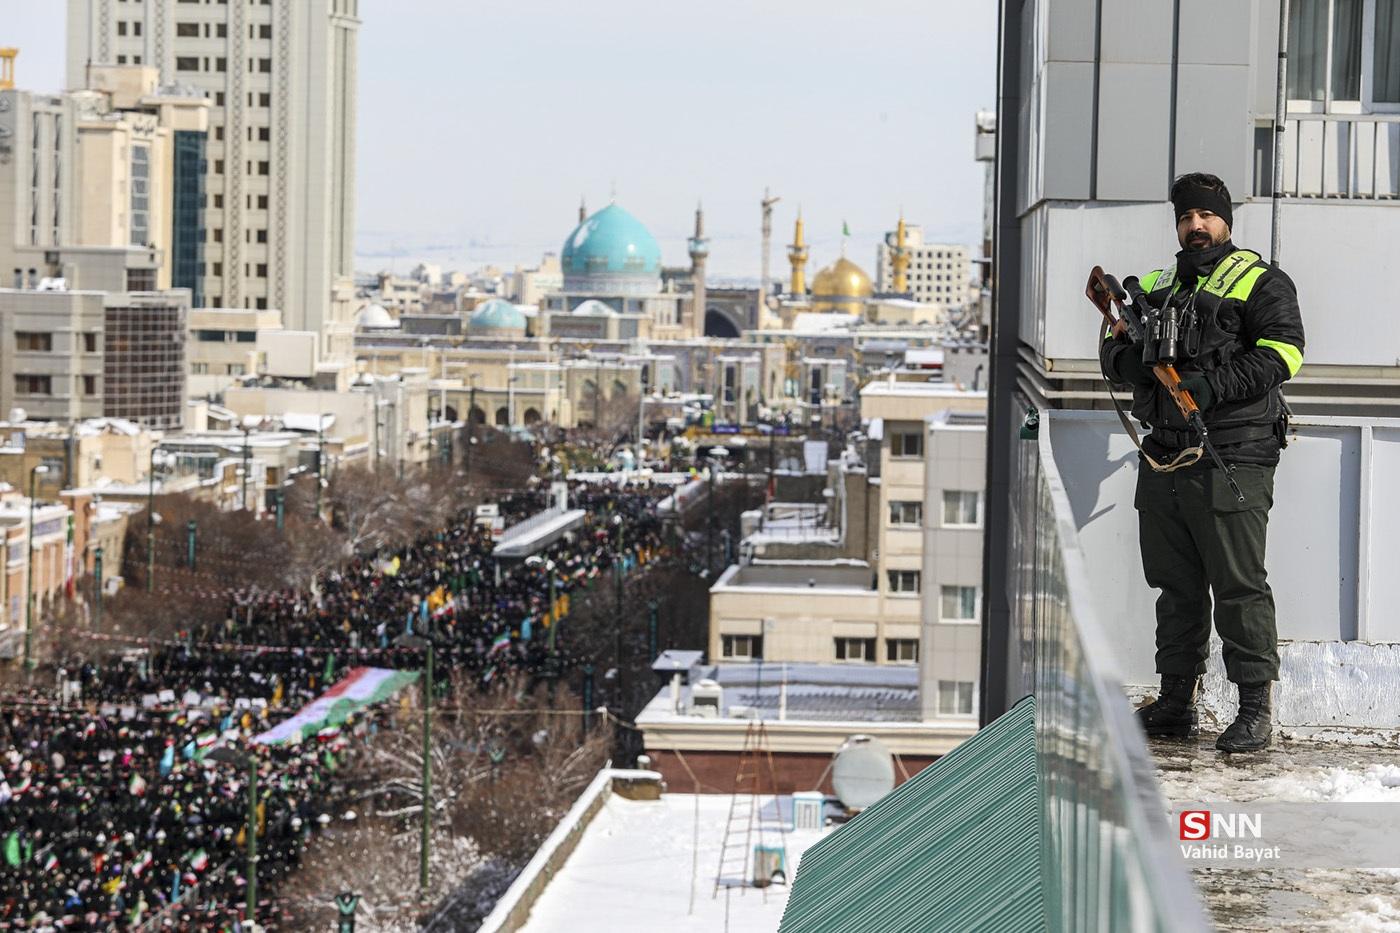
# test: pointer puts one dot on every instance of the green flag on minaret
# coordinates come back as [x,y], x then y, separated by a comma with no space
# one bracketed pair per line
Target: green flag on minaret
[845,229]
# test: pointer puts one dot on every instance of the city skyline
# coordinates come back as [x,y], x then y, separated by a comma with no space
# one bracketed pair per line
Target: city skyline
[661,111]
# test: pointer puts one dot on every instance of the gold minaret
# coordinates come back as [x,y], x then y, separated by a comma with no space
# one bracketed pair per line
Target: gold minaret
[797,255]
[899,258]
[7,68]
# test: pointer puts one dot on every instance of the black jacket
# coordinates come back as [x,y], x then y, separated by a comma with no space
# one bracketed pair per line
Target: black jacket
[1244,375]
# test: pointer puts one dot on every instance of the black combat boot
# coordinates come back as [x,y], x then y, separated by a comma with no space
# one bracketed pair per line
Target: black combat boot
[1253,727]
[1174,712]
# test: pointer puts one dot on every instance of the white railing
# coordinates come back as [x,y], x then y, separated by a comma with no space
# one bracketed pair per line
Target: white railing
[1342,156]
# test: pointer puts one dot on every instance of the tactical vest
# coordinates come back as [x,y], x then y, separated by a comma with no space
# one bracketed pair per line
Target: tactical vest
[1211,340]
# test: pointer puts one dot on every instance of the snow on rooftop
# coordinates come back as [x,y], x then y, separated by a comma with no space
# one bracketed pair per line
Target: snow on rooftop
[1283,898]
[636,868]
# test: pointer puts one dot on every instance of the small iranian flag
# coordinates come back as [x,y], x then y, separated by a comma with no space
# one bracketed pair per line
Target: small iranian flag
[137,786]
[200,860]
[490,672]
[22,786]
[207,739]
[143,863]
[500,644]
[50,862]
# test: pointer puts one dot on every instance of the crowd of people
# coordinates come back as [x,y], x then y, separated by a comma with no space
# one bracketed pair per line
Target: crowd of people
[124,796]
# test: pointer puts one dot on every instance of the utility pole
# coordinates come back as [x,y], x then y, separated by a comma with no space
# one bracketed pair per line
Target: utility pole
[34,473]
[281,507]
[190,531]
[320,462]
[767,205]
[97,581]
[471,429]
[151,522]
[245,468]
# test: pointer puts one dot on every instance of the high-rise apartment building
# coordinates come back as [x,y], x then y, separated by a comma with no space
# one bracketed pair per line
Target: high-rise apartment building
[938,273]
[102,186]
[280,163]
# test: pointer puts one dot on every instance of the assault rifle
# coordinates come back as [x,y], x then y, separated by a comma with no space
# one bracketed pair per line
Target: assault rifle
[1158,333]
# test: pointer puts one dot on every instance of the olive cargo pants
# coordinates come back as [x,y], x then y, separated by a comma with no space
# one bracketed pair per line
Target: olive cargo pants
[1199,542]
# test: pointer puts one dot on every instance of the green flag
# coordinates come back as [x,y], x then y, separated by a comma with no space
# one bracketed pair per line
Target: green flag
[12,855]
[330,668]
[845,229]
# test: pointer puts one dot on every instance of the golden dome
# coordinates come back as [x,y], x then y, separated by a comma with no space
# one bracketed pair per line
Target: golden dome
[841,286]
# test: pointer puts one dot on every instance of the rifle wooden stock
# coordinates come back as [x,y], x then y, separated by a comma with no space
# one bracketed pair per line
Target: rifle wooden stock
[1104,291]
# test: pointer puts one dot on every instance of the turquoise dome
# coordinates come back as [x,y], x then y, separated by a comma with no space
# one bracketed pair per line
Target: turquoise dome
[611,242]
[496,314]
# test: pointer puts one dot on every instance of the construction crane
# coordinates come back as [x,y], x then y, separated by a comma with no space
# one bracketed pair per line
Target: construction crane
[767,205]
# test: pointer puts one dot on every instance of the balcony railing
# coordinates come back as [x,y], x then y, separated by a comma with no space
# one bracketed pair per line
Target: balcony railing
[1338,155]
[1106,853]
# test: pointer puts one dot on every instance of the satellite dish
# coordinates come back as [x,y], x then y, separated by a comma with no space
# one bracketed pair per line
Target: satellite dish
[863,772]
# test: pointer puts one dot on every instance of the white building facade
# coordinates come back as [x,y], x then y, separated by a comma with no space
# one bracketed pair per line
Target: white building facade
[939,273]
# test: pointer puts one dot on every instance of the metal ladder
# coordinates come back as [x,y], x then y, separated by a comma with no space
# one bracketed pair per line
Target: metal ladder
[744,817]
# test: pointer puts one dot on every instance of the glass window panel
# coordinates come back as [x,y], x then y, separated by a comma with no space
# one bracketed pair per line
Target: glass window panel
[1386,88]
[1346,50]
[1307,49]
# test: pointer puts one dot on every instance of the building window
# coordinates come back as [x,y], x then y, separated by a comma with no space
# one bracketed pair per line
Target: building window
[218,268]
[262,270]
[235,369]
[962,508]
[221,64]
[265,66]
[907,444]
[199,369]
[218,166]
[262,202]
[140,195]
[221,30]
[902,650]
[89,386]
[955,697]
[121,27]
[219,198]
[32,385]
[264,134]
[187,30]
[265,31]
[262,236]
[90,342]
[904,581]
[264,167]
[959,604]
[136,28]
[741,647]
[855,649]
[245,336]
[33,341]
[264,99]
[187,63]
[140,280]
[1326,72]
[906,513]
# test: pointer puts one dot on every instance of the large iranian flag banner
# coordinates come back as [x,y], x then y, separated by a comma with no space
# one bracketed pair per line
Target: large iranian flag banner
[361,687]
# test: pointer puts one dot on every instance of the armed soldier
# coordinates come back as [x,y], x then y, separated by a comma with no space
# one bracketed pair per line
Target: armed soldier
[1234,331]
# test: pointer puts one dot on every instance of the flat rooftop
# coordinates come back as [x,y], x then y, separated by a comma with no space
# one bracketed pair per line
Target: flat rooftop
[651,865]
[864,693]
[1282,898]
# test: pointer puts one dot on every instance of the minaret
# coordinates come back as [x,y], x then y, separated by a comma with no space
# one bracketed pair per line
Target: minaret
[699,251]
[797,255]
[582,211]
[899,258]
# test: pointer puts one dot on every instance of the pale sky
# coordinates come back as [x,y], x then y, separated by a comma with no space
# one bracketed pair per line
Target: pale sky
[482,124]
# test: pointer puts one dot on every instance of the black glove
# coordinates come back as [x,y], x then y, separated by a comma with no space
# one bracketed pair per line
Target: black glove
[1199,387]
[1133,369]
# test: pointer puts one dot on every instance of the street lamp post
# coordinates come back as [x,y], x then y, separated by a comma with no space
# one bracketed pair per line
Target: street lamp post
[191,528]
[29,586]
[151,521]
[281,507]
[425,822]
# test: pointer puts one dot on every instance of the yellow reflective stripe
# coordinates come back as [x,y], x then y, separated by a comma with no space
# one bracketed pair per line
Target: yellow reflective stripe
[1108,332]
[1292,356]
[1242,288]
[1149,280]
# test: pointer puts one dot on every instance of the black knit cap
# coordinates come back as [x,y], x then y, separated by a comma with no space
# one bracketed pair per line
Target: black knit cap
[1202,192]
